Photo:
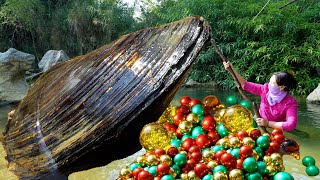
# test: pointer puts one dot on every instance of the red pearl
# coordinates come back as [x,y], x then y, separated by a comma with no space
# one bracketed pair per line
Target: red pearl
[194,148]
[159,152]
[194,101]
[172,151]
[170,127]
[203,141]
[185,100]
[178,117]
[245,151]
[254,134]
[279,138]
[275,146]
[184,109]
[136,172]
[178,133]
[191,163]
[228,160]
[145,175]
[214,136]
[219,154]
[276,131]
[239,164]
[201,170]
[197,156]
[242,134]
[208,123]
[163,169]
[187,144]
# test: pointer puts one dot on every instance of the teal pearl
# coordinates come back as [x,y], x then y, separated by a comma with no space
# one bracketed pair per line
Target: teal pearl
[261,166]
[245,103]
[216,148]
[196,131]
[175,142]
[134,166]
[185,137]
[167,177]
[180,159]
[236,153]
[222,131]
[229,151]
[207,177]
[263,142]
[198,109]
[312,170]
[204,149]
[282,176]
[254,176]
[249,164]
[232,100]
[308,161]
[176,168]
[220,168]
[260,151]
[153,170]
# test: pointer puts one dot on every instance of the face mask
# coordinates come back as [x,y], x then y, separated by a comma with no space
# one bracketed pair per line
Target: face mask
[274,89]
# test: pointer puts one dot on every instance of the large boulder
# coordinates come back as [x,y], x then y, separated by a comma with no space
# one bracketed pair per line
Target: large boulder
[314,96]
[51,58]
[13,65]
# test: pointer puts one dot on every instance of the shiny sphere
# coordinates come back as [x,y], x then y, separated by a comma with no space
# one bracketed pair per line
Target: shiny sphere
[237,118]
[166,159]
[224,142]
[312,170]
[203,141]
[201,170]
[180,159]
[283,176]
[163,169]
[193,118]
[211,102]
[228,160]
[308,161]
[245,103]
[255,134]
[260,151]
[249,141]
[176,168]
[262,167]
[185,100]
[198,109]
[249,164]
[222,131]
[232,100]
[220,168]
[214,136]
[134,166]
[245,151]
[207,177]
[235,142]
[276,157]
[185,127]
[175,142]
[218,116]
[194,101]
[208,123]
[212,164]
[153,170]
[167,177]
[196,131]
[220,176]
[263,142]
[192,175]
[236,153]
[254,176]
[125,171]
[153,136]
[145,175]
[187,144]
[216,148]
[152,160]
[236,174]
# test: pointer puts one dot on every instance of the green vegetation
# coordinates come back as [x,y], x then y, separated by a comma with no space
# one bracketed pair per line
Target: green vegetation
[257,43]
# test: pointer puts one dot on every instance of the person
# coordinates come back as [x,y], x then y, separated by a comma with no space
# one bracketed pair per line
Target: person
[278,109]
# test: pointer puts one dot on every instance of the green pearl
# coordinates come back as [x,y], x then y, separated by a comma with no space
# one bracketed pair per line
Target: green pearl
[220,168]
[312,170]
[249,164]
[198,109]
[232,100]
[283,176]
[197,131]
[308,161]
[180,159]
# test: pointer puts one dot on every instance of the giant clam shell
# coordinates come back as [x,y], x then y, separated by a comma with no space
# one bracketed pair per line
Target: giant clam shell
[89,111]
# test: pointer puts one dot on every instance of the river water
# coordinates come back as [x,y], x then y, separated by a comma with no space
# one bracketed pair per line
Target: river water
[307,136]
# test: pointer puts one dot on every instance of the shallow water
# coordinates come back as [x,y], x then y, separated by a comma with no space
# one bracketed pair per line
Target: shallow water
[307,136]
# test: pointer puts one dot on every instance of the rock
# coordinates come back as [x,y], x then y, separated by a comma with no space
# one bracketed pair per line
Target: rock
[192,84]
[314,96]
[13,65]
[51,58]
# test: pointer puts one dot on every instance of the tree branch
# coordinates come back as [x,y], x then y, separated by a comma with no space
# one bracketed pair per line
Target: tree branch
[290,2]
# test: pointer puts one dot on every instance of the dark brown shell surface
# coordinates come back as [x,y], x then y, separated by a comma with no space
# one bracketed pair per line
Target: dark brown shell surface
[89,111]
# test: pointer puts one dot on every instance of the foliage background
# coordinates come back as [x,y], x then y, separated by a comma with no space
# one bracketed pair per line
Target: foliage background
[257,43]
